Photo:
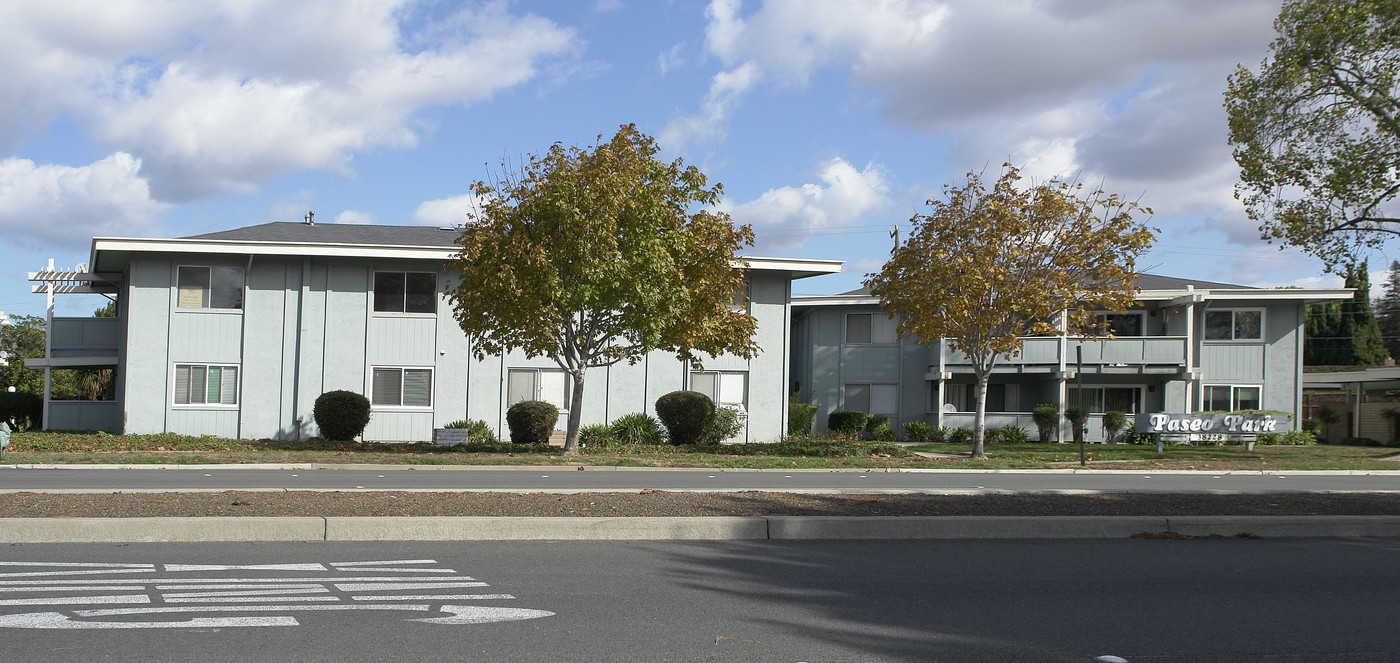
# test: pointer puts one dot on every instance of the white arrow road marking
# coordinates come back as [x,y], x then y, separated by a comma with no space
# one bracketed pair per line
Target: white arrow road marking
[79,600]
[395,570]
[73,588]
[177,568]
[88,565]
[471,614]
[255,599]
[30,574]
[109,612]
[60,620]
[239,586]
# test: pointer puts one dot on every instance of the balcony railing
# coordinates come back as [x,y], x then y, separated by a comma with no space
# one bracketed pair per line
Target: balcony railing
[86,337]
[1045,351]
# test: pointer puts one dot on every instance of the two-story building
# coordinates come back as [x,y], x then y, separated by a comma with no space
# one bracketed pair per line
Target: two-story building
[236,333]
[1185,346]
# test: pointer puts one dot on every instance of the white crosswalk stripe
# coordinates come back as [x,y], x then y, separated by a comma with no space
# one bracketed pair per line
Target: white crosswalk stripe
[225,595]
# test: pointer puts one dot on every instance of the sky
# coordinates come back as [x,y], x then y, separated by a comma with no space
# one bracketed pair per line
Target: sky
[829,122]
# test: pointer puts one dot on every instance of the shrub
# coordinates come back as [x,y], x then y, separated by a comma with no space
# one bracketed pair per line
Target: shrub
[637,429]
[1312,425]
[477,430]
[885,433]
[27,409]
[800,415]
[917,431]
[1360,442]
[846,422]
[1010,434]
[1046,416]
[341,415]
[873,422]
[1113,423]
[938,435]
[685,414]
[596,436]
[531,422]
[1077,416]
[1138,438]
[960,436]
[726,423]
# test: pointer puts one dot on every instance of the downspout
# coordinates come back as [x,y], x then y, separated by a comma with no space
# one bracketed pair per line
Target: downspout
[296,359]
[243,345]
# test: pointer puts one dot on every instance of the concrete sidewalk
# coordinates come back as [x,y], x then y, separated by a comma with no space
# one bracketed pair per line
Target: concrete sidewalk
[485,528]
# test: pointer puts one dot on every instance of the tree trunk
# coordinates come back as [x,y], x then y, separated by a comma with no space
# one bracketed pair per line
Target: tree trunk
[979,419]
[575,414]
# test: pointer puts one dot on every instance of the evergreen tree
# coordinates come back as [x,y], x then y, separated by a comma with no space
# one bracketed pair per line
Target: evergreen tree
[1360,334]
[1388,311]
[1321,326]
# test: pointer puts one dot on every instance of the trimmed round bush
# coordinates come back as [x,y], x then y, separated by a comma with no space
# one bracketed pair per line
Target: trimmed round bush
[846,422]
[341,415]
[531,422]
[685,414]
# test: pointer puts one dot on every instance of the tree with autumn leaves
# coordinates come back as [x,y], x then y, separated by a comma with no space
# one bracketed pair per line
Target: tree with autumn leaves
[594,256]
[988,265]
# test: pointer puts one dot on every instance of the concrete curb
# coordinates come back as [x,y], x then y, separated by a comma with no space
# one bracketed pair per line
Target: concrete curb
[727,470]
[485,528]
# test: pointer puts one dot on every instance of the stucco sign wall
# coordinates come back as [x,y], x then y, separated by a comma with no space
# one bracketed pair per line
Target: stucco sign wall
[1218,423]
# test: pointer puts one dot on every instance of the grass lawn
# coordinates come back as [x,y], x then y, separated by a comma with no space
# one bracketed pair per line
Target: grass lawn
[167,449]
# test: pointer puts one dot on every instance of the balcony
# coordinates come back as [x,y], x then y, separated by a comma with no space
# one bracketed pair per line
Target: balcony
[81,342]
[1140,354]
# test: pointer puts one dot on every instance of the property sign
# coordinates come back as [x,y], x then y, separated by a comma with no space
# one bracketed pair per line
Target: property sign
[1227,423]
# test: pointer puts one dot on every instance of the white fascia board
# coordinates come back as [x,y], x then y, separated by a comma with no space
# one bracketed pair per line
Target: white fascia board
[799,268]
[834,300]
[239,247]
[1307,295]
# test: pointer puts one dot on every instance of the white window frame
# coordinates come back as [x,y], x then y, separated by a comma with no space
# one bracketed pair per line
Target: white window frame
[870,389]
[207,293]
[538,387]
[720,380]
[204,391]
[743,299]
[879,334]
[403,308]
[1205,326]
[1234,396]
[403,372]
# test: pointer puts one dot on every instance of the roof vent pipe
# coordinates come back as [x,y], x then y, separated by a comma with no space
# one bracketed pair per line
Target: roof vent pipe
[310,218]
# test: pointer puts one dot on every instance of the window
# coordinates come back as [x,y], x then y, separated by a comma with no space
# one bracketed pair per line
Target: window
[1227,398]
[531,384]
[1241,325]
[963,397]
[202,384]
[725,389]
[869,328]
[402,387]
[405,292]
[741,298]
[210,287]
[1121,324]
[1106,399]
[872,398]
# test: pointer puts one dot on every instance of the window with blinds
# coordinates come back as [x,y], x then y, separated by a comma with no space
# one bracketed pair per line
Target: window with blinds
[723,388]
[203,384]
[538,384]
[402,387]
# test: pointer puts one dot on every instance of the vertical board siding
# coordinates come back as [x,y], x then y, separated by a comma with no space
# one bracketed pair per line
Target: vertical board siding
[402,341]
[206,337]
[148,294]
[390,426]
[1232,361]
[85,415]
[219,423]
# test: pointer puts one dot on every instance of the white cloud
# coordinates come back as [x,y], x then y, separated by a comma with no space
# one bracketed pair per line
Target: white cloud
[607,5]
[355,217]
[786,217]
[445,212]
[726,90]
[671,59]
[44,205]
[225,96]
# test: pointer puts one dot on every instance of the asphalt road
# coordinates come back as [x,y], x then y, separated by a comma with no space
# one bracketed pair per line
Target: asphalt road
[1010,600]
[74,478]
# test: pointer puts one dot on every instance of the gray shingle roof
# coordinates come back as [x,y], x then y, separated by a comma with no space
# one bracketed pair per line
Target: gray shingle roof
[335,233]
[1144,282]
